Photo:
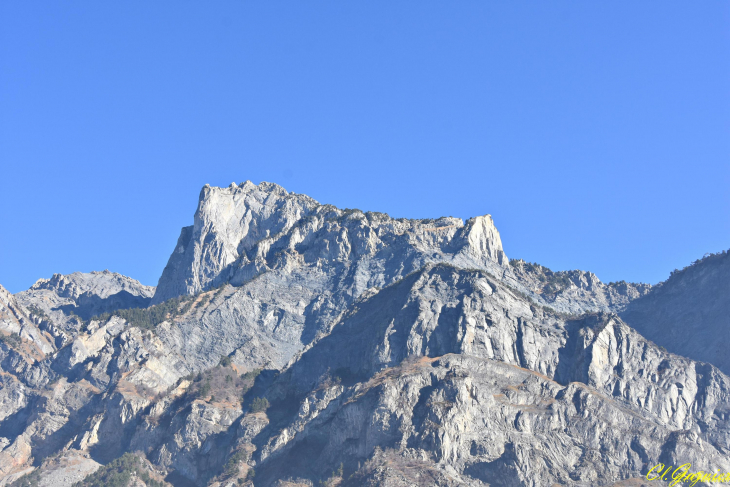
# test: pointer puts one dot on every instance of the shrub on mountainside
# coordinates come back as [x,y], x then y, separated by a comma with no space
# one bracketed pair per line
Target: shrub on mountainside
[259,404]
[251,374]
[220,383]
[32,479]
[12,340]
[234,462]
[553,282]
[149,318]
[203,301]
[119,473]
[37,312]
[708,257]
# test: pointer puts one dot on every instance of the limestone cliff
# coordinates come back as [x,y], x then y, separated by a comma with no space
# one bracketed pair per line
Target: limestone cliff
[245,230]
[290,342]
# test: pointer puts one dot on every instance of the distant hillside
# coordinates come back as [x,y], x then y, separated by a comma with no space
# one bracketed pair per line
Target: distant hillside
[689,313]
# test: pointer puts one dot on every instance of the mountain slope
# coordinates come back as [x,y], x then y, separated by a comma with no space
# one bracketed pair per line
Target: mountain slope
[282,269]
[305,344]
[461,376]
[689,313]
[242,231]
[66,300]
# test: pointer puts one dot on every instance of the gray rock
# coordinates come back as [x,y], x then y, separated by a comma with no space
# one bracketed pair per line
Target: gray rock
[408,352]
[63,299]
[576,291]
[689,313]
[478,387]
[16,320]
[290,267]
[243,231]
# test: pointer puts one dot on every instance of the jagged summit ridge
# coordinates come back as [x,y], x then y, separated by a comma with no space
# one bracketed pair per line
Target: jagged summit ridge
[102,283]
[84,294]
[243,230]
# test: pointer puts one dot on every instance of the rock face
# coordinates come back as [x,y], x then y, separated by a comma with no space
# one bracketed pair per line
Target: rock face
[21,325]
[308,344]
[65,298]
[451,369]
[293,266]
[689,314]
[246,230]
[575,291]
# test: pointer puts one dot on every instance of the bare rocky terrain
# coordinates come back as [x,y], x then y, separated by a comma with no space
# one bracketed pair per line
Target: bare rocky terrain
[294,343]
[689,313]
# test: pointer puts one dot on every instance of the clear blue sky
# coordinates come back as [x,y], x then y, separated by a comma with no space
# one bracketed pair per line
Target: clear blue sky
[596,133]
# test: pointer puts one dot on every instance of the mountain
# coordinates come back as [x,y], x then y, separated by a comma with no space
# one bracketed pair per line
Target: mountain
[66,300]
[18,325]
[689,313]
[245,230]
[450,378]
[290,342]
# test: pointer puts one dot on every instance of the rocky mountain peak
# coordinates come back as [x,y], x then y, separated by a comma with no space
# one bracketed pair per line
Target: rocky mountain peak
[243,230]
[313,345]
[101,283]
[227,224]
[484,239]
[64,298]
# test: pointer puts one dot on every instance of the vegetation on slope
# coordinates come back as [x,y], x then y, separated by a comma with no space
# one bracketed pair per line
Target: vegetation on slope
[221,383]
[12,340]
[553,282]
[707,258]
[32,479]
[120,472]
[148,318]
